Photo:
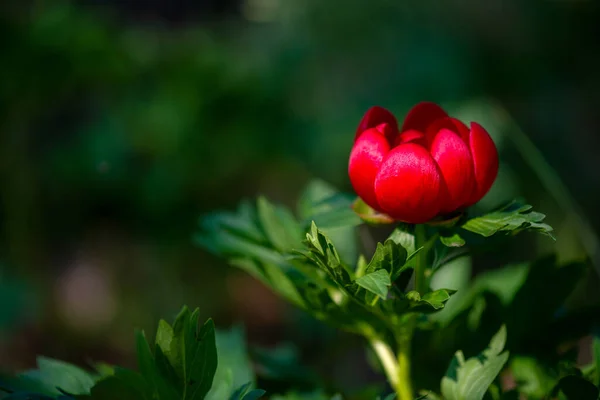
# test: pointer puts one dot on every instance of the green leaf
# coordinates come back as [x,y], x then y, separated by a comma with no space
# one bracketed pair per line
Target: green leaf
[390,257]
[193,354]
[369,215]
[512,218]
[430,302]
[322,203]
[454,240]
[164,336]
[59,376]
[234,368]
[377,282]
[279,225]
[573,387]
[470,379]
[323,253]
[159,383]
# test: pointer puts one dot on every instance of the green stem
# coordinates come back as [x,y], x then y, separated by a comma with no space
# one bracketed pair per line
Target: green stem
[397,367]
[396,370]
[404,388]
[421,284]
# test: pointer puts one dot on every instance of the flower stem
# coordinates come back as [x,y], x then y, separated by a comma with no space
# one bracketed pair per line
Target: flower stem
[396,370]
[404,387]
[397,366]
[421,284]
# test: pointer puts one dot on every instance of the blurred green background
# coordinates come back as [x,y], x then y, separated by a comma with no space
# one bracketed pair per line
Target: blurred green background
[121,122]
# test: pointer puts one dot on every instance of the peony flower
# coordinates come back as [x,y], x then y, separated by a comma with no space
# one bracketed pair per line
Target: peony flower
[432,166]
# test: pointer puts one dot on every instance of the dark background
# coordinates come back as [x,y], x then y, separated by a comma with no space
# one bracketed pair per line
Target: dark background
[121,122]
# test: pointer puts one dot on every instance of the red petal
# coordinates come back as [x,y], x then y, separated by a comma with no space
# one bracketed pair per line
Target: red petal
[408,185]
[453,124]
[485,161]
[456,165]
[376,116]
[421,115]
[410,136]
[366,157]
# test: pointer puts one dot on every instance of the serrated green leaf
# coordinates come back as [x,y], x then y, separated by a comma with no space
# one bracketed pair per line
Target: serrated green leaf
[438,298]
[377,282]
[430,302]
[388,256]
[512,218]
[470,379]
[193,354]
[454,240]
[322,252]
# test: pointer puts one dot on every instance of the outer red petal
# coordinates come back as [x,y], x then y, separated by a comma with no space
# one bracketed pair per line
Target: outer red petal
[408,185]
[421,115]
[456,165]
[366,157]
[485,161]
[376,116]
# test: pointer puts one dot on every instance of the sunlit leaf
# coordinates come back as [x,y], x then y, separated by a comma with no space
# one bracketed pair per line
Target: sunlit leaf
[512,218]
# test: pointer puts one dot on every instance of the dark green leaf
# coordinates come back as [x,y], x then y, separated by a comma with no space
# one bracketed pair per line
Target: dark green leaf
[124,384]
[157,382]
[512,218]
[377,282]
[193,354]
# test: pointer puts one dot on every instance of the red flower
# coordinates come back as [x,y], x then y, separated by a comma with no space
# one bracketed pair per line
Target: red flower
[433,165]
